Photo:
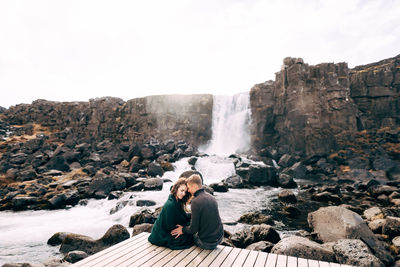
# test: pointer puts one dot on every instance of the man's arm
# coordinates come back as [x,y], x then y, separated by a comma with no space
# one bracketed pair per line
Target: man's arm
[195,221]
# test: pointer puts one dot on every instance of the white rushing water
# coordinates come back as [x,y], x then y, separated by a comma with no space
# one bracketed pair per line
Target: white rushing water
[230,125]
[23,235]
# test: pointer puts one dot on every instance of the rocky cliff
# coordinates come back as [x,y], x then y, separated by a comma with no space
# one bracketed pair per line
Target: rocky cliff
[375,89]
[178,117]
[311,110]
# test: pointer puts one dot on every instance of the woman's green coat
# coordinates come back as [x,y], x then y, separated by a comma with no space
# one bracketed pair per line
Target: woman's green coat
[171,214]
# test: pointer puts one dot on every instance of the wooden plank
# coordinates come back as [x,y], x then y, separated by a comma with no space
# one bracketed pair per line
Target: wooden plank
[291,261]
[302,262]
[313,263]
[271,261]
[241,258]
[331,264]
[261,259]
[211,257]
[110,249]
[169,257]
[179,257]
[196,261]
[345,265]
[281,261]
[323,264]
[251,258]
[231,257]
[132,257]
[158,257]
[118,258]
[115,253]
[221,257]
[195,253]
[149,256]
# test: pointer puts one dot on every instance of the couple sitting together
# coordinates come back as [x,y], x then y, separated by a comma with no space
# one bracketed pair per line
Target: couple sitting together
[176,230]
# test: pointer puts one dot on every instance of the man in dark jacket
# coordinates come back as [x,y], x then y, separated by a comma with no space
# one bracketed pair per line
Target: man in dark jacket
[205,226]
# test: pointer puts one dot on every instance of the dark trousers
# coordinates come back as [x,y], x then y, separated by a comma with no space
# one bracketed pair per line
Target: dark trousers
[205,245]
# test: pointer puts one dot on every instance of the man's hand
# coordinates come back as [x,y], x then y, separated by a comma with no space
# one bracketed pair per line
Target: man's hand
[177,231]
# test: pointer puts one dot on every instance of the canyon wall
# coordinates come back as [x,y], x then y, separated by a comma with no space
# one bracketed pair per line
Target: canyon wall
[178,117]
[311,110]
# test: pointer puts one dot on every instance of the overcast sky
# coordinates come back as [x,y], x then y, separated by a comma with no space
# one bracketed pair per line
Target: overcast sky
[76,50]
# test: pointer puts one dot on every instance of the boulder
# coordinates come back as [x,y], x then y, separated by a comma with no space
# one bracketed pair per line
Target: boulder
[264,246]
[153,184]
[23,202]
[326,197]
[145,203]
[142,216]
[296,171]
[57,238]
[114,235]
[355,252]
[376,226]
[370,213]
[287,196]
[262,175]
[154,169]
[242,238]
[302,247]
[264,232]
[140,228]
[334,223]
[391,226]
[219,187]
[255,218]
[104,184]
[286,161]
[75,256]
[286,181]
[234,181]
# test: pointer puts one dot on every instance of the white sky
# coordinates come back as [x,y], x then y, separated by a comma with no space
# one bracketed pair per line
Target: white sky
[75,50]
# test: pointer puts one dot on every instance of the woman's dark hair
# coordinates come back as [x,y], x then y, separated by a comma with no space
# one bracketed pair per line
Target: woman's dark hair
[174,190]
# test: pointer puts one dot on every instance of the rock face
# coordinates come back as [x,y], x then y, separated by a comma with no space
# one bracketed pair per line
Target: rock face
[375,90]
[180,117]
[303,109]
[308,109]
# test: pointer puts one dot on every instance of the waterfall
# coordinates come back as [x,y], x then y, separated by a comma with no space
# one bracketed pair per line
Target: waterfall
[230,125]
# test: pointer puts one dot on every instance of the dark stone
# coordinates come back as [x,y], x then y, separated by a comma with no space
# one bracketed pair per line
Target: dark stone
[296,171]
[234,181]
[154,169]
[75,256]
[242,239]
[142,203]
[286,161]
[286,181]
[326,197]
[264,246]
[256,218]
[140,228]
[137,187]
[153,184]
[192,160]
[287,196]
[57,238]
[142,216]
[264,232]
[219,187]
[262,175]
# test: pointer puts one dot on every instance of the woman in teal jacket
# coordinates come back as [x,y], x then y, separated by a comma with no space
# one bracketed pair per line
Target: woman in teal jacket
[173,213]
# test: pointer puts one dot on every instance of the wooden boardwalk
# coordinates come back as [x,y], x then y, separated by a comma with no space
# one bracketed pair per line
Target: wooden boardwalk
[137,251]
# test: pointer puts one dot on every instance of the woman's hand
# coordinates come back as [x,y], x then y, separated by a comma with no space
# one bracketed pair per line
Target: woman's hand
[177,231]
